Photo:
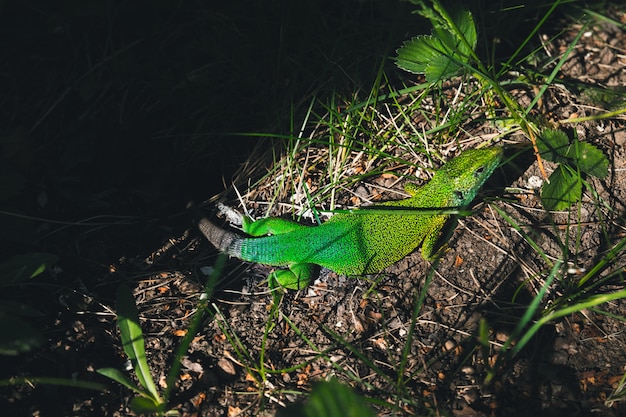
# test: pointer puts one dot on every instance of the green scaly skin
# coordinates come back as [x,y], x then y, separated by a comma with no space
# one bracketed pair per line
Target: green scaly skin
[360,242]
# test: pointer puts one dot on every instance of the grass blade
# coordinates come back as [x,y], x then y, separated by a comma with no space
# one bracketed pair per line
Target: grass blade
[62,382]
[121,378]
[132,339]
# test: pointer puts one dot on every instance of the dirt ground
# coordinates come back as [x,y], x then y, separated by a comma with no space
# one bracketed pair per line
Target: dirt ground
[570,368]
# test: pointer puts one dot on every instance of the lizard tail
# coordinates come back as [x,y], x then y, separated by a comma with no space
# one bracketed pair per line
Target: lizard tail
[223,240]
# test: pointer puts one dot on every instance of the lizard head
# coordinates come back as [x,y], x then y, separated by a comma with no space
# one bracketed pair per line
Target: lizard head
[466,173]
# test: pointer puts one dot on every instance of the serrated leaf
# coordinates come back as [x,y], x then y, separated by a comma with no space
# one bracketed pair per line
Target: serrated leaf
[553,145]
[446,51]
[458,16]
[441,67]
[427,55]
[589,159]
[564,189]
[415,54]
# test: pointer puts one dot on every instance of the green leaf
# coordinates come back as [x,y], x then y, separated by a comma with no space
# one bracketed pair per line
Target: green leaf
[457,17]
[24,267]
[553,145]
[132,338]
[415,55]
[330,399]
[17,336]
[564,189]
[121,378]
[446,51]
[429,56]
[144,405]
[589,159]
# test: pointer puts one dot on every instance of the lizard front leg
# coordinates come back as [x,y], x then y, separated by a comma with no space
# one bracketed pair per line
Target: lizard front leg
[269,226]
[430,246]
[298,275]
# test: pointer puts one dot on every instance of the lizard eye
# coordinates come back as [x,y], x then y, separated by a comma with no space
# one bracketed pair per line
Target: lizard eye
[459,195]
[479,171]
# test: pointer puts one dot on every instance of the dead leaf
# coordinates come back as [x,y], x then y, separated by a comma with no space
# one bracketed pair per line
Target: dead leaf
[233,411]
[227,366]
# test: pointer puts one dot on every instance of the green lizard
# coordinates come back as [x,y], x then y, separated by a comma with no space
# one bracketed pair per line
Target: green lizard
[366,240]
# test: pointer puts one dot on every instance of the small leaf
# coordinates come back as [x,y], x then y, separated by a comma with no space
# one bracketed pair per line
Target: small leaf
[458,16]
[589,159]
[553,145]
[415,55]
[427,55]
[444,53]
[441,67]
[564,189]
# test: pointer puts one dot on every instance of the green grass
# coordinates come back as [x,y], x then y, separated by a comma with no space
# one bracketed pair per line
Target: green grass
[347,130]
[149,400]
[404,133]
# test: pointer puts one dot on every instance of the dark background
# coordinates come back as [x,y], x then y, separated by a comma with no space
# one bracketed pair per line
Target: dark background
[117,108]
